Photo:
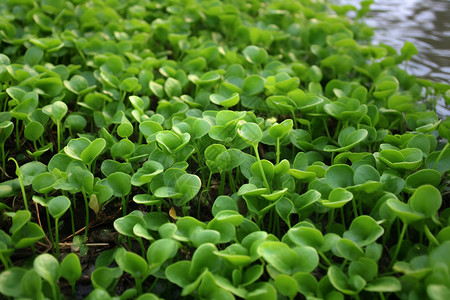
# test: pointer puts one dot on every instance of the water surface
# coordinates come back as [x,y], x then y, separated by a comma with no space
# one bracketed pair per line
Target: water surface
[426,24]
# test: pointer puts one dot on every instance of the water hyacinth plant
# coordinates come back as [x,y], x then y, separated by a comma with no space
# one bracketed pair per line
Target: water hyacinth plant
[216,150]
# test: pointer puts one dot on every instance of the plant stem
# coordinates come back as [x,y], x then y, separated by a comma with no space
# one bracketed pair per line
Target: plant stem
[22,187]
[222,184]
[2,147]
[440,156]
[325,259]
[342,216]
[233,185]
[139,239]
[399,245]
[138,281]
[49,225]
[72,220]
[57,238]
[124,206]
[153,284]
[355,208]
[58,134]
[86,205]
[278,151]
[17,135]
[255,147]
[4,261]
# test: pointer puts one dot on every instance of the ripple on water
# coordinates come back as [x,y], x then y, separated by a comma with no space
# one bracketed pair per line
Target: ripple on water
[426,24]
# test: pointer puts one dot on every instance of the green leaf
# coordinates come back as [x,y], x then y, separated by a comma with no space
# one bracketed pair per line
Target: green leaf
[131,263]
[255,55]
[426,201]
[344,284]
[282,129]
[306,236]
[31,285]
[19,219]
[9,281]
[93,150]
[204,258]
[47,267]
[178,271]
[57,110]
[286,285]
[33,131]
[33,55]
[105,278]
[251,133]
[349,249]
[71,268]
[280,256]
[364,230]
[224,203]
[188,185]
[6,128]
[225,101]
[120,183]
[386,284]
[160,251]
[58,206]
[338,198]
[27,236]
[339,175]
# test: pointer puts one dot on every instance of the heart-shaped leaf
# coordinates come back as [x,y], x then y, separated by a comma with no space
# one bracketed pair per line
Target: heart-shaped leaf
[58,206]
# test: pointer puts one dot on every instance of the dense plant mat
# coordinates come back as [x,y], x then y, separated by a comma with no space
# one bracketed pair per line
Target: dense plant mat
[216,150]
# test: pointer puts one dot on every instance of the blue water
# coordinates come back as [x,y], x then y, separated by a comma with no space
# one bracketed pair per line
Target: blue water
[425,23]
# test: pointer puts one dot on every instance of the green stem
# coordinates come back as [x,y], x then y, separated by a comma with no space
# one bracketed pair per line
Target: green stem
[124,206]
[342,216]
[270,227]
[222,183]
[22,188]
[141,243]
[72,220]
[57,238]
[331,217]
[86,205]
[49,225]
[53,284]
[58,134]
[355,208]
[255,147]
[399,245]
[325,259]
[294,119]
[326,129]
[2,147]
[138,281]
[440,156]
[17,135]
[4,261]
[233,185]
[153,284]
[278,150]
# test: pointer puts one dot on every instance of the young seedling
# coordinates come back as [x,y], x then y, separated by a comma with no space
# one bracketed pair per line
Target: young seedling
[56,111]
[22,186]
[57,207]
[71,270]
[251,133]
[6,128]
[415,210]
[48,268]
